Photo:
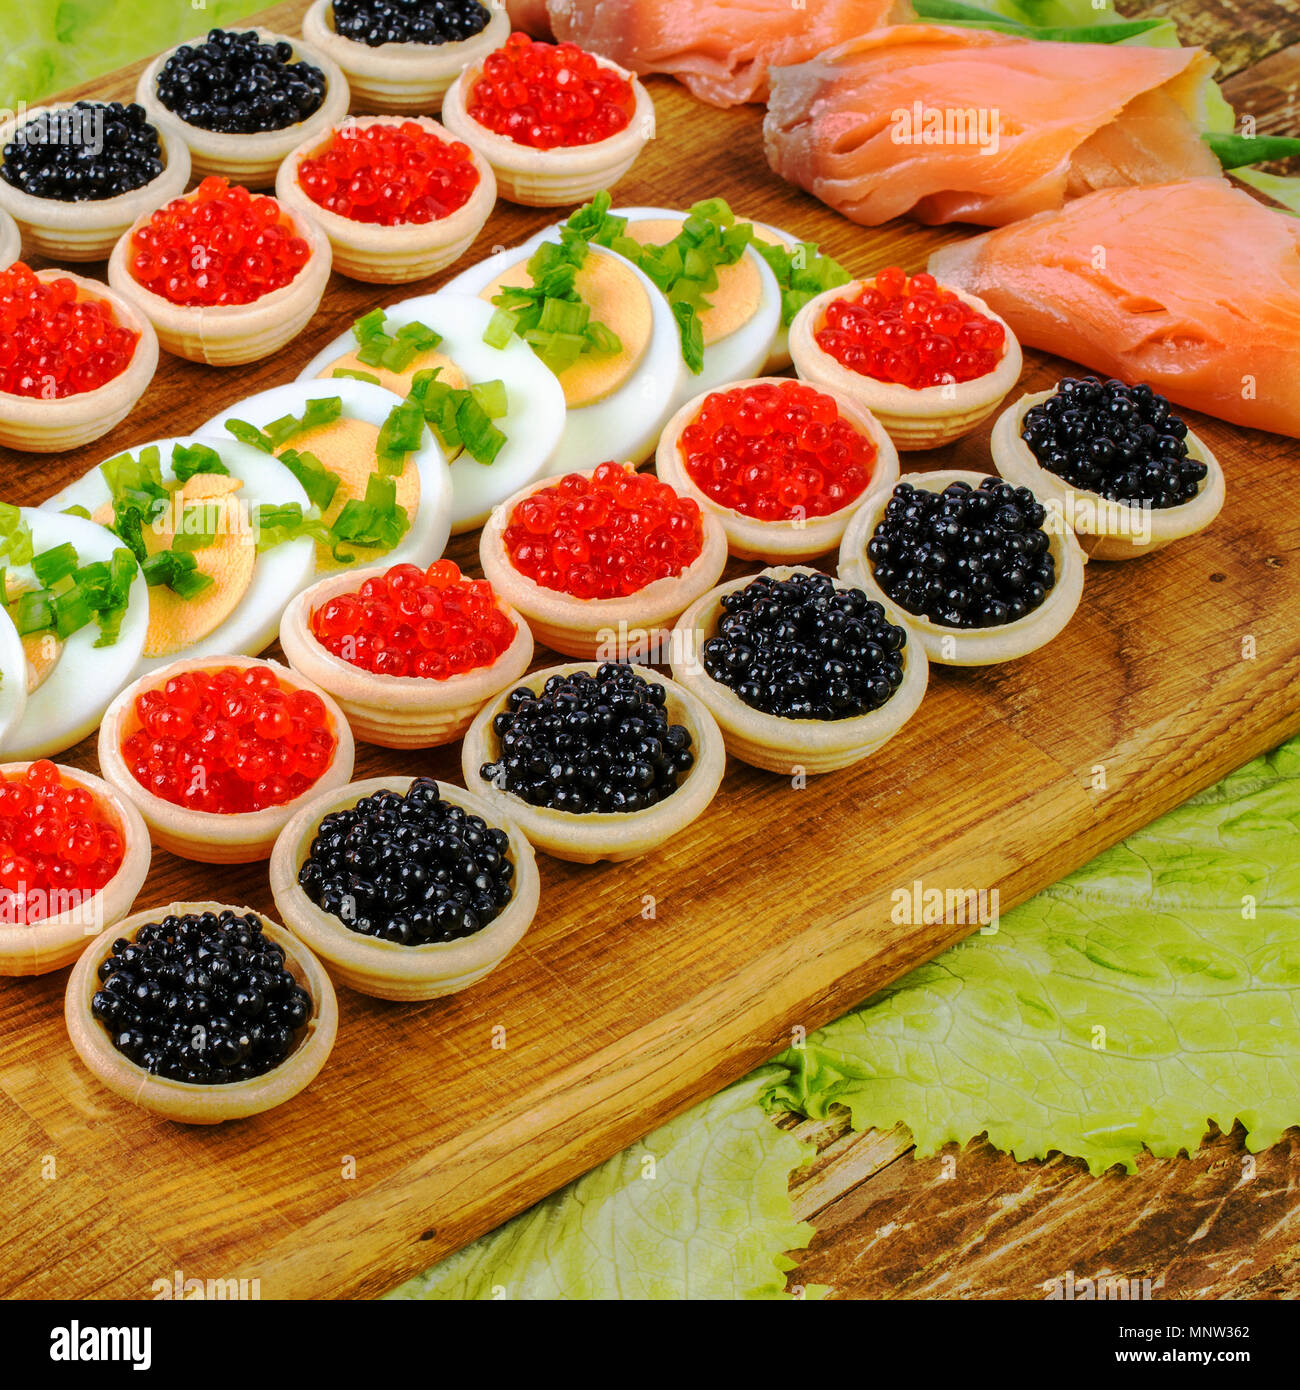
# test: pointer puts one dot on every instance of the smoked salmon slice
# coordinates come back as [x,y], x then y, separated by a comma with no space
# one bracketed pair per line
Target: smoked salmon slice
[720,50]
[1193,287]
[966,125]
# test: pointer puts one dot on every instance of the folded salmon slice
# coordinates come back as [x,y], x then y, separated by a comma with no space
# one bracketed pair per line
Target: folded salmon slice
[721,50]
[1193,287]
[966,125]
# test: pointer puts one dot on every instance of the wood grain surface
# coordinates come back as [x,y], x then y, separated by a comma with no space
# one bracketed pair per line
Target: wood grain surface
[645,987]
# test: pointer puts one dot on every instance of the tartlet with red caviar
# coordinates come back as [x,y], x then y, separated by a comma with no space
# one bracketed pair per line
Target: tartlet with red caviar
[218,753]
[398,198]
[269,1017]
[223,275]
[291,91]
[406,66]
[406,935]
[601,563]
[930,362]
[581,126]
[56,210]
[410,655]
[74,853]
[782,464]
[75,357]
[596,760]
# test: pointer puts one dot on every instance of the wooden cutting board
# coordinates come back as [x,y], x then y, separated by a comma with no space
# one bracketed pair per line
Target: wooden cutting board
[642,988]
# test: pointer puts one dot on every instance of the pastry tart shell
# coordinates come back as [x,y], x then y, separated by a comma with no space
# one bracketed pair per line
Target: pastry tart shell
[226,335]
[35,425]
[777,542]
[789,746]
[985,646]
[87,231]
[916,418]
[552,178]
[384,969]
[58,940]
[600,629]
[390,255]
[249,159]
[1107,530]
[213,837]
[396,711]
[401,78]
[615,835]
[11,242]
[185,1101]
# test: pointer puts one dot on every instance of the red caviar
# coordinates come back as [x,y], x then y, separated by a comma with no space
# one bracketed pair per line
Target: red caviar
[56,842]
[52,344]
[776,452]
[390,174]
[549,94]
[412,622]
[227,740]
[911,331]
[220,244]
[604,536]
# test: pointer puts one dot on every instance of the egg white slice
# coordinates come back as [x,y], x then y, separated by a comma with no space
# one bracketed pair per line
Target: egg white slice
[278,573]
[534,420]
[626,424]
[71,701]
[430,527]
[13,678]
[778,355]
[742,353]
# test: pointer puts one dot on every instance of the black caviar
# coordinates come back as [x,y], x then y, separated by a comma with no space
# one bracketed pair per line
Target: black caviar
[235,84]
[800,648]
[373,22]
[1122,442]
[590,743]
[86,152]
[409,869]
[964,557]
[203,998]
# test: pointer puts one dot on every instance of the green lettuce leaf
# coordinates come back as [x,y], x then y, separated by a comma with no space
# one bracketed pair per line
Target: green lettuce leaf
[713,1220]
[1154,990]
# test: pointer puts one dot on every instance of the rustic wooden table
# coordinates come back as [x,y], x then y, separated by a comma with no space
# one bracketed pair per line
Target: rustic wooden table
[419,1135]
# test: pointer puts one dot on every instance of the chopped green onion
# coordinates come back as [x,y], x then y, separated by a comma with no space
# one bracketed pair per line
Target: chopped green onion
[33,612]
[72,612]
[500,329]
[491,396]
[15,535]
[250,434]
[400,435]
[317,481]
[76,510]
[178,571]
[187,460]
[377,520]
[52,565]
[356,376]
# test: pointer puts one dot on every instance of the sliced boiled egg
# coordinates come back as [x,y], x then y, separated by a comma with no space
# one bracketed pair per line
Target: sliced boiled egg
[412,503]
[214,517]
[743,317]
[617,402]
[70,681]
[13,677]
[534,420]
[778,354]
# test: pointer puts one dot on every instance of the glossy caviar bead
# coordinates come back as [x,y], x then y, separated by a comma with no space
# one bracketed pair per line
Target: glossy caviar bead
[390,174]
[412,622]
[910,331]
[604,536]
[590,743]
[86,152]
[374,22]
[220,244]
[410,869]
[964,557]
[776,452]
[1123,442]
[229,740]
[57,845]
[235,84]
[53,344]
[800,648]
[205,998]
[549,94]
